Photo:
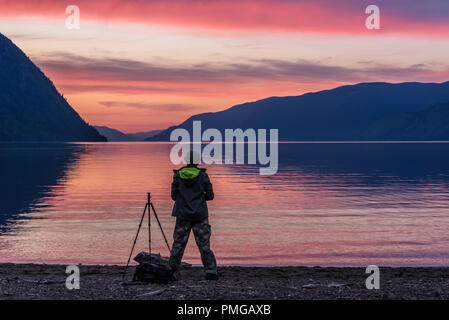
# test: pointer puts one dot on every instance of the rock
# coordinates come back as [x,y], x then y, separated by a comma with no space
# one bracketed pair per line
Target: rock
[311,285]
[335,285]
[151,293]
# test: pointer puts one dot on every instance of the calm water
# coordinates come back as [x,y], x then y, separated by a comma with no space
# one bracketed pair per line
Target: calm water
[330,204]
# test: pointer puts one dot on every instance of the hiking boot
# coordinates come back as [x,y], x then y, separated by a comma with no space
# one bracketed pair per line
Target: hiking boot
[211,276]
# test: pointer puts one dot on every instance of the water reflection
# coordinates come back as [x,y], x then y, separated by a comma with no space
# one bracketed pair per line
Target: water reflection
[329,204]
[28,173]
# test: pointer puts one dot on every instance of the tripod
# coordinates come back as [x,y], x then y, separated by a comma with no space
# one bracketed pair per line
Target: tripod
[149,206]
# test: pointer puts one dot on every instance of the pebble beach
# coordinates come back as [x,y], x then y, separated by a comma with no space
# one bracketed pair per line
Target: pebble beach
[40,281]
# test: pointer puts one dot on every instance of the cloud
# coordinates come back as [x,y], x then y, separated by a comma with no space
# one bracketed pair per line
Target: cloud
[107,74]
[72,85]
[166,107]
[422,18]
[26,36]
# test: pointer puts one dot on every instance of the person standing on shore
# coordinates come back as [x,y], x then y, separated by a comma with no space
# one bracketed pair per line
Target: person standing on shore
[190,189]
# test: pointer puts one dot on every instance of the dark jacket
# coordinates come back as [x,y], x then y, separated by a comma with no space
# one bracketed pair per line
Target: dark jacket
[190,190]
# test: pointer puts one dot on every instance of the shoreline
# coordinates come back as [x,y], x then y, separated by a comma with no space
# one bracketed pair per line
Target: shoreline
[222,265]
[42,281]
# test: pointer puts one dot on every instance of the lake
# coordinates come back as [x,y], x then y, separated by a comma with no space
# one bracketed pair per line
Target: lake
[330,204]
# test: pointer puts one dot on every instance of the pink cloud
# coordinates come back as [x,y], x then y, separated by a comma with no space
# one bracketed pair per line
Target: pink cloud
[321,16]
[83,74]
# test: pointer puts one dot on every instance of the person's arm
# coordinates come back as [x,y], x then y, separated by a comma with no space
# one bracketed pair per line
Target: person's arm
[209,192]
[174,188]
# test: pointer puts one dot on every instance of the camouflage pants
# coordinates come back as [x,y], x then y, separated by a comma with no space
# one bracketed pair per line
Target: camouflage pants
[202,232]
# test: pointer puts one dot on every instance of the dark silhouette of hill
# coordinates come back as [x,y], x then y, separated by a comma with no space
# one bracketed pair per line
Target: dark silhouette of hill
[428,124]
[116,135]
[343,113]
[31,109]
[141,136]
[112,134]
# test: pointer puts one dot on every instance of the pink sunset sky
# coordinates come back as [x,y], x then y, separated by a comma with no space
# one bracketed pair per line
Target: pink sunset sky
[143,65]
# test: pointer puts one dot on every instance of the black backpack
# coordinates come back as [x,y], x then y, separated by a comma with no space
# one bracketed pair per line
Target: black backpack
[153,272]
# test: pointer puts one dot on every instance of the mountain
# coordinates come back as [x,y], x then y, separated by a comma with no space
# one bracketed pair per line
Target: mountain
[429,124]
[140,136]
[112,134]
[31,109]
[116,135]
[344,113]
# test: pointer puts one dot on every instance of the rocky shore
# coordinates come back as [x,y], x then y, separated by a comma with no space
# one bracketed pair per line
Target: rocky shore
[33,281]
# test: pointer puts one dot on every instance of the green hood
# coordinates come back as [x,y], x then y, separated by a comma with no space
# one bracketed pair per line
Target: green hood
[189,173]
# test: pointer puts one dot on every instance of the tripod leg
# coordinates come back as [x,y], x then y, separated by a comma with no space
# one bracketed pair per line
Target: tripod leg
[135,239]
[149,230]
[160,226]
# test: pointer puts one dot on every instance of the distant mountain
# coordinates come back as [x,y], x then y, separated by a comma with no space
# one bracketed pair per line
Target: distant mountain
[140,136]
[112,134]
[352,112]
[31,109]
[116,135]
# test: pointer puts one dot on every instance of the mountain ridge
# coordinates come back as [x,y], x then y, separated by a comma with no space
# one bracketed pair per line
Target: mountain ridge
[31,107]
[116,135]
[341,113]
[428,124]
